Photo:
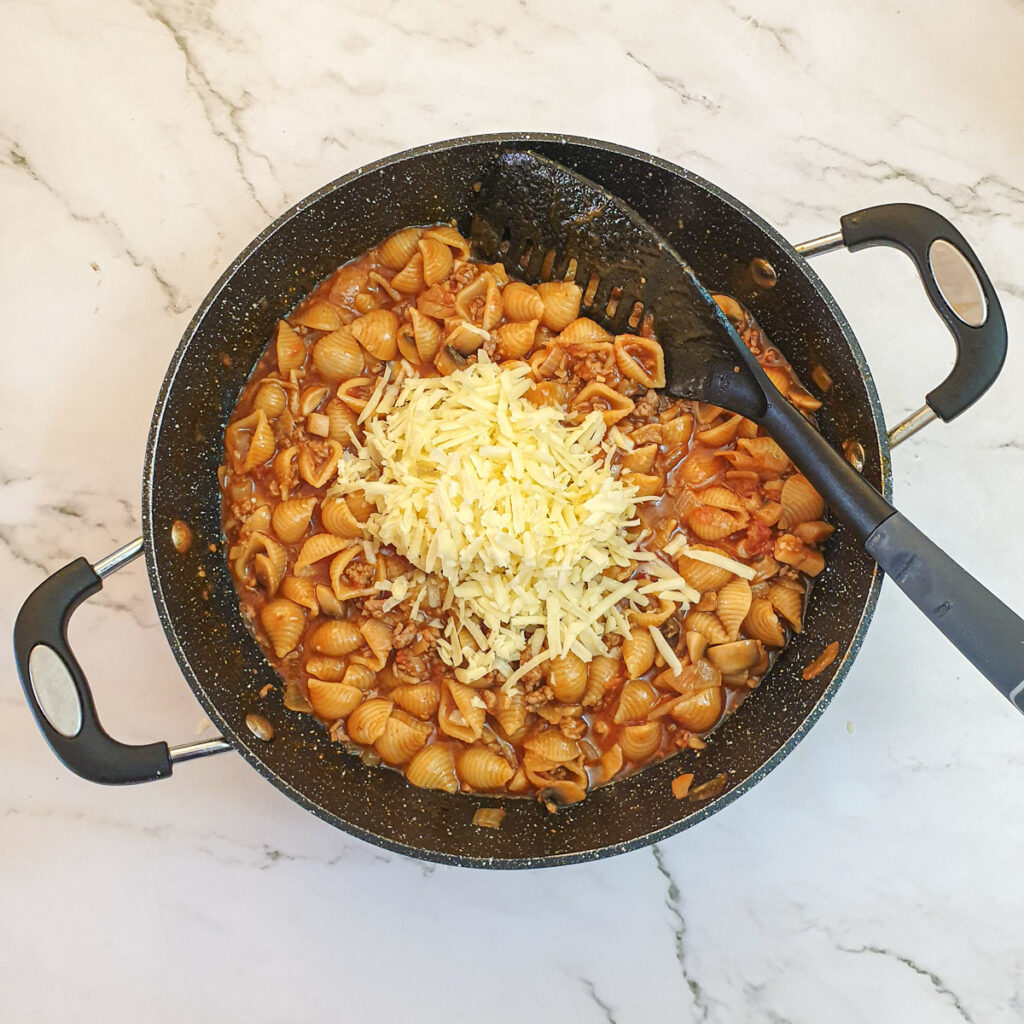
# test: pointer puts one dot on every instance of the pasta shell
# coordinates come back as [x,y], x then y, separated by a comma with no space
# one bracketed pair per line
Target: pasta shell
[433,768]
[409,279]
[302,591]
[639,742]
[551,745]
[332,701]
[367,723]
[707,624]
[789,604]
[317,461]
[763,624]
[636,701]
[770,459]
[510,712]
[322,667]
[337,356]
[611,762]
[377,635]
[329,604]
[732,309]
[582,331]
[319,315]
[723,433]
[291,518]
[568,678]
[341,420]
[701,675]
[700,711]
[310,399]
[561,303]
[516,339]
[641,360]
[447,234]
[435,302]
[337,518]
[603,674]
[283,621]
[319,546]
[426,334]
[437,260]
[801,503]
[270,398]
[465,337]
[640,460]
[377,333]
[481,768]
[337,636]
[700,575]
[397,249]
[403,736]
[521,302]
[718,496]
[696,645]
[734,657]
[733,604]
[644,483]
[638,652]
[420,699]
[360,506]
[678,431]
[715,523]
[290,348]
[361,676]
[267,574]
[462,712]
[654,618]
[612,405]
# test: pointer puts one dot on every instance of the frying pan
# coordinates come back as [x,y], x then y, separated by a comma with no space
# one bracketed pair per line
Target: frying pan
[732,250]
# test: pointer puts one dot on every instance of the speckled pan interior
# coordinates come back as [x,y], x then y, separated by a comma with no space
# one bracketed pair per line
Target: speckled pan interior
[196,600]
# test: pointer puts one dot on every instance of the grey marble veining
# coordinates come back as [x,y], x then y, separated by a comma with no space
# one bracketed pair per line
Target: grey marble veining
[871,877]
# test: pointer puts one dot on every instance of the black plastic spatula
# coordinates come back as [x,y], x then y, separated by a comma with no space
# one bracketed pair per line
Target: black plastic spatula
[549,223]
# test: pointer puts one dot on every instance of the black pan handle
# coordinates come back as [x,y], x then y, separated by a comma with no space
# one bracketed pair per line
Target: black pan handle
[957,286]
[59,693]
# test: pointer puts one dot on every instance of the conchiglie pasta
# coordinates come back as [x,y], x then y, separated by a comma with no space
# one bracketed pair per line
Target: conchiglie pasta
[801,503]
[701,710]
[291,518]
[561,300]
[283,622]
[763,624]
[402,737]
[396,250]
[339,636]
[641,360]
[337,518]
[584,331]
[788,603]
[568,676]
[636,701]
[733,604]
[483,769]
[516,339]
[639,742]
[367,723]
[437,260]
[290,348]
[433,768]
[337,356]
[521,302]
[702,576]
[331,700]
[377,332]
[638,652]
[420,699]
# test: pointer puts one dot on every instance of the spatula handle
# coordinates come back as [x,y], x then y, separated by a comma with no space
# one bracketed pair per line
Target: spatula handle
[978,624]
[982,628]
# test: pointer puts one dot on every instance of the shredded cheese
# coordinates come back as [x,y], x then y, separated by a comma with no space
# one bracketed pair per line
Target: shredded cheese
[515,510]
[723,561]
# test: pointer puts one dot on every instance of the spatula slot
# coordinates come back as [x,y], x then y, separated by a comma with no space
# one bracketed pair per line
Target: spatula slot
[635,316]
[591,289]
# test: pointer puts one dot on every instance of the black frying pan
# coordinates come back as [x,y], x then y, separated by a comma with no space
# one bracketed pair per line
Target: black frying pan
[222,662]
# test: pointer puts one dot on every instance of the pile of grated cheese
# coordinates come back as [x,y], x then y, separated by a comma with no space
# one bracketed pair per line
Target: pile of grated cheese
[518,513]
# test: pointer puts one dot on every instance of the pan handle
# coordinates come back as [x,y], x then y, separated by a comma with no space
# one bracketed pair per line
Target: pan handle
[959,290]
[58,692]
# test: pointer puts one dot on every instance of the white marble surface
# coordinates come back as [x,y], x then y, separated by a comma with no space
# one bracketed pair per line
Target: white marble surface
[874,876]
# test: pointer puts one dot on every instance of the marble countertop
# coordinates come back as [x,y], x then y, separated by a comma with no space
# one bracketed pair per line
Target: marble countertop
[870,877]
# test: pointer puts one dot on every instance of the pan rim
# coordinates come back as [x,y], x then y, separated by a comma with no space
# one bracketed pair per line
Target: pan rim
[240,743]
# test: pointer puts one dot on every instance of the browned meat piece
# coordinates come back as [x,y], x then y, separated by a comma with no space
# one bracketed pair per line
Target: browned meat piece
[572,728]
[360,574]
[647,407]
[404,636]
[412,665]
[541,696]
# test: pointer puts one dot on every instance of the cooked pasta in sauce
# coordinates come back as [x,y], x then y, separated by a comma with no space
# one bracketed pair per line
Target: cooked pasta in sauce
[481,547]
